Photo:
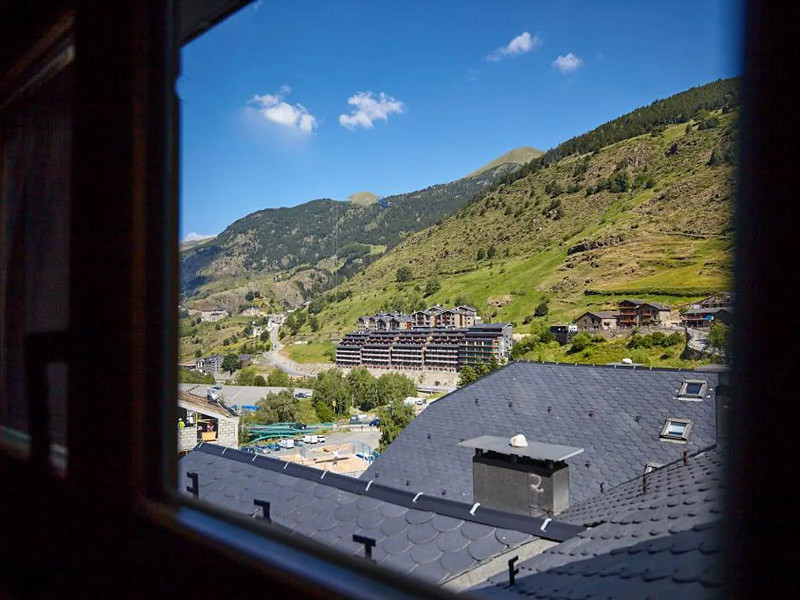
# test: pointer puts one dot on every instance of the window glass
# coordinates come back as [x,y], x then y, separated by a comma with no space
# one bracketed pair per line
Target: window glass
[392,221]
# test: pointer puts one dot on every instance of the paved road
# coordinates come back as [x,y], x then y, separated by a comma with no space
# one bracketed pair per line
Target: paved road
[427,381]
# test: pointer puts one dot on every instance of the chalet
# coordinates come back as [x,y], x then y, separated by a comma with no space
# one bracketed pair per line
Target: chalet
[633,313]
[706,317]
[599,320]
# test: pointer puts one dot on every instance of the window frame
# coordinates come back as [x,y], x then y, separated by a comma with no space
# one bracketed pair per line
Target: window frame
[666,436]
[684,395]
[118,496]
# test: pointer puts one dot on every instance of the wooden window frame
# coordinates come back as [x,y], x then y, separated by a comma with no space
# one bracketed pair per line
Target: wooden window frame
[112,524]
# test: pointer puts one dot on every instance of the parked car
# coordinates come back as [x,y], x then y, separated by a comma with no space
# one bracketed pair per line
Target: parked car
[321,439]
[273,446]
[375,422]
[310,439]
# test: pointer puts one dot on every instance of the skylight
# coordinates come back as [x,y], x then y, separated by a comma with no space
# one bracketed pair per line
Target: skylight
[693,388]
[676,430]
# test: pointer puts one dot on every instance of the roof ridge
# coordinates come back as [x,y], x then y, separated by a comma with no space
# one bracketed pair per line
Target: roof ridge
[662,469]
[544,528]
[613,366]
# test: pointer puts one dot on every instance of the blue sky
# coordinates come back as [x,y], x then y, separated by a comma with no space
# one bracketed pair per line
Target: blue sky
[287,102]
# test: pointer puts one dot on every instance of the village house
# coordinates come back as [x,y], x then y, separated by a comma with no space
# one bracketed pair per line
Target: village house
[706,317]
[213,315]
[598,320]
[634,313]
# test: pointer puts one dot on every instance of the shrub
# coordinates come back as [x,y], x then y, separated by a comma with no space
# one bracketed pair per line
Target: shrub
[580,342]
[541,309]
[432,287]
[404,274]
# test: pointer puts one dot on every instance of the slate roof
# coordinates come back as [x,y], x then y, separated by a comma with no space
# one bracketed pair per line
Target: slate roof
[709,311]
[601,314]
[665,543]
[615,413]
[415,534]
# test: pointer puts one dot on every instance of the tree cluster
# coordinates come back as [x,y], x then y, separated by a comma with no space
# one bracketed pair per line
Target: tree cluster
[394,418]
[359,389]
[469,373]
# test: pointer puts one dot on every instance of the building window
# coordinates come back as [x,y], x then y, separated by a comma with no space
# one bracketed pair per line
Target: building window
[693,389]
[676,430]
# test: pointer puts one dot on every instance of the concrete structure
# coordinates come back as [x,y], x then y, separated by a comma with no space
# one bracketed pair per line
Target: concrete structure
[209,364]
[204,421]
[432,349]
[600,320]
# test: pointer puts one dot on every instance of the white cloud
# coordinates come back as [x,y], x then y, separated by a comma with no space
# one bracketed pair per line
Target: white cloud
[521,44]
[567,64]
[273,108]
[369,108]
[196,237]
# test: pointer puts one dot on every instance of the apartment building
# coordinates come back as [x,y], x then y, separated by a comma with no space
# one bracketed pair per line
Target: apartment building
[431,349]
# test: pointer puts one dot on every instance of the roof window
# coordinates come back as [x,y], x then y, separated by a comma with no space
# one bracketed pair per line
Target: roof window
[693,389]
[676,430]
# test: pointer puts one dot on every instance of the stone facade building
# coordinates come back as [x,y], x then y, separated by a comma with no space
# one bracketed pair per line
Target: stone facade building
[204,421]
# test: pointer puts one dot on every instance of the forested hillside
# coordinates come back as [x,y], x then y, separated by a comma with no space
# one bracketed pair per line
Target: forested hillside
[281,239]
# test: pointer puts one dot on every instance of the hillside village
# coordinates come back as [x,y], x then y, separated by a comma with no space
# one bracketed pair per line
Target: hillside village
[529,392]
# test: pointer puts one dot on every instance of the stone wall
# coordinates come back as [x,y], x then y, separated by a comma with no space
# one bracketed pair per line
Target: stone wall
[228,433]
[187,438]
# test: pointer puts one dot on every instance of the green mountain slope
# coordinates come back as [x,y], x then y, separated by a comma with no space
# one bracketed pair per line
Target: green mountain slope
[324,234]
[648,215]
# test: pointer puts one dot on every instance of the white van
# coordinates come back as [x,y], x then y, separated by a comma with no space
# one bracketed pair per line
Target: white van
[286,443]
[310,439]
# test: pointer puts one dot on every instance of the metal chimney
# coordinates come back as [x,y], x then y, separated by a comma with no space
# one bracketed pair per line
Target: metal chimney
[531,479]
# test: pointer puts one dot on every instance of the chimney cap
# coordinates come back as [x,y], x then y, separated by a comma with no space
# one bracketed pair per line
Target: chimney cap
[534,450]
